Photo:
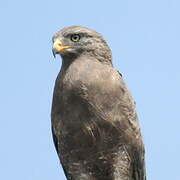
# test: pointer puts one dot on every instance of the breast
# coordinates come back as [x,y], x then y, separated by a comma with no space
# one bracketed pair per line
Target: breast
[88,82]
[91,74]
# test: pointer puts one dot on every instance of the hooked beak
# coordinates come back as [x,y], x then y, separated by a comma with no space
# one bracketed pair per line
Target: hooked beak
[58,47]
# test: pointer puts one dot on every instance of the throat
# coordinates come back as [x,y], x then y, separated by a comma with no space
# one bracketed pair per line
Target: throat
[69,58]
[67,61]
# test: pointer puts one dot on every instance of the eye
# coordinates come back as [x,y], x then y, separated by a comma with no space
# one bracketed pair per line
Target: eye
[75,37]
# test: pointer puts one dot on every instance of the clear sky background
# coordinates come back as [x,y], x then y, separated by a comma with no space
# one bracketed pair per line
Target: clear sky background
[145,40]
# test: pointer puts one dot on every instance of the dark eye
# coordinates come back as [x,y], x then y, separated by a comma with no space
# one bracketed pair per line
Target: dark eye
[75,37]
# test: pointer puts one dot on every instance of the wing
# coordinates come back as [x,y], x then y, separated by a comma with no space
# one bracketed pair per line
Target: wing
[138,159]
[111,102]
[55,128]
[132,130]
[55,140]
[126,106]
[133,134]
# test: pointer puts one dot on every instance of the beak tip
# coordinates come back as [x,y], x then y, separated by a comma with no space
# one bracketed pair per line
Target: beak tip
[54,53]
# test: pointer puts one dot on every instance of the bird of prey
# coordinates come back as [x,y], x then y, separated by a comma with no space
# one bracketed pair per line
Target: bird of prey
[94,122]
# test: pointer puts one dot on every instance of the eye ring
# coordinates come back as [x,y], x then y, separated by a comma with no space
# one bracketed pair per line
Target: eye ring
[75,37]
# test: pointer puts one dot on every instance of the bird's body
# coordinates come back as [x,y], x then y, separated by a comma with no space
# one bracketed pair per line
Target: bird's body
[94,122]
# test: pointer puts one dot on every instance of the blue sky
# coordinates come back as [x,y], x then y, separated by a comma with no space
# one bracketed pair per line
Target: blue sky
[145,41]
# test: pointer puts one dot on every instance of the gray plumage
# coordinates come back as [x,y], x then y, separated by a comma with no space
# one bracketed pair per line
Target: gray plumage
[94,122]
